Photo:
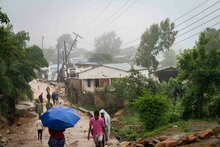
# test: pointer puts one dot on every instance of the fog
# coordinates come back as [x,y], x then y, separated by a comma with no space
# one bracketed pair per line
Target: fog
[91,18]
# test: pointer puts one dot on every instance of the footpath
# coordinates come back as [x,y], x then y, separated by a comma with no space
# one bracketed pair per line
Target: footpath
[24,134]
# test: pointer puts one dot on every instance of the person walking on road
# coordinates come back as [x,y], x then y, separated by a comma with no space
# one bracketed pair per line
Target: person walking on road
[40,97]
[97,126]
[57,138]
[48,89]
[39,126]
[38,107]
[49,105]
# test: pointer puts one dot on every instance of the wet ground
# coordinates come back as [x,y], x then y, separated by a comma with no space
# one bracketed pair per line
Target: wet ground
[24,134]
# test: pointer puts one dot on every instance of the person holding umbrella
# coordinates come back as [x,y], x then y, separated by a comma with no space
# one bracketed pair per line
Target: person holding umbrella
[57,119]
[57,138]
[96,124]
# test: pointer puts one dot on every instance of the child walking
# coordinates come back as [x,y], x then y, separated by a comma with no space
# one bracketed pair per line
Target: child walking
[39,126]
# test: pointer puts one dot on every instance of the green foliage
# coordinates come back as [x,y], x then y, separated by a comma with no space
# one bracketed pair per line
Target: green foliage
[156,39]
[3,17]
[130,119]
[18,65]
[200,69]
[153,110]
[214,106]
[90,107]
[127,134]
[101,58]
[108,43]
[131,87]
[156,131]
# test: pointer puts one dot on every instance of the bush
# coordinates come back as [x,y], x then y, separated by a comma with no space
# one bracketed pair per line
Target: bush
[153,110]
[127,134]
[214,107]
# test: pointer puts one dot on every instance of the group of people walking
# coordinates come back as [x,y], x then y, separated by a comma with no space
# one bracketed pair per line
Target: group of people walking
[99,125]
[39,101]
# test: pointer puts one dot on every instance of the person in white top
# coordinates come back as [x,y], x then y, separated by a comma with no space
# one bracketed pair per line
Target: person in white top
[39,126]
[107,121]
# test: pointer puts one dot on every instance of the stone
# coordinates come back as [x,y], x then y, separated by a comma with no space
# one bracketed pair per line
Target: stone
[139,145]
[162,138]
[4,140]
[216,130]
[119,113]
[169,142]
[155,140]
[140,141]
[191,138]
[179,136]
[125,144]
[204,134]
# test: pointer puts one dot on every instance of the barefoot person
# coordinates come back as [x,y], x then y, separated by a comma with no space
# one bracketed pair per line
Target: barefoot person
[96,124]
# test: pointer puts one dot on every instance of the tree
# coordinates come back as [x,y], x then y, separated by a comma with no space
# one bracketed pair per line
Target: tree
[67,38]
[156,39]
[108,43]
[18,65]
[100,58]
[169,59]
[133,86]
[200,68]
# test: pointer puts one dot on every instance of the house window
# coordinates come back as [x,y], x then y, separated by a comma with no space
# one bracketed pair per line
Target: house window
[96,82]
[89,83]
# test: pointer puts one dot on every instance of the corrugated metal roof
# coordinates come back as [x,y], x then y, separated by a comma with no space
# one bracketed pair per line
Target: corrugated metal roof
[124,66]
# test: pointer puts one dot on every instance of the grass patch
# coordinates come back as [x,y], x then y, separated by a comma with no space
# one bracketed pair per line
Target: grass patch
[130,119]
[156,131]
[90,107]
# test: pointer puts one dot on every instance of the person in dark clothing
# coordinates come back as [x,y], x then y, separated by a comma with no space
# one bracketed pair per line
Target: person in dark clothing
[41,98]
[48,97]
[53,97]
[57,138]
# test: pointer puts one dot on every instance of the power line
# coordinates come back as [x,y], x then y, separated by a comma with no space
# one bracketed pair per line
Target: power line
[117,16]
[195,34]
[190,17]
[113,14]
[197,14]
[93,20]
[198,20]
[198,26]
[190,10]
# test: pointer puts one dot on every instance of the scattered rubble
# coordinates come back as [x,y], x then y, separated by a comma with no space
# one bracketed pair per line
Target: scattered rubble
[177,140]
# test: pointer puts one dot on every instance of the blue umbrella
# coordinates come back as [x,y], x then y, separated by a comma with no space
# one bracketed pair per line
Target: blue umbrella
[59,118]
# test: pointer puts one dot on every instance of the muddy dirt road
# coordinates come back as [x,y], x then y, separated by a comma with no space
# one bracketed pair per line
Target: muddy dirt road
[24,133]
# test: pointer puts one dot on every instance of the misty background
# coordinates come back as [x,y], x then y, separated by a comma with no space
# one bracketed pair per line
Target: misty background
[47,20]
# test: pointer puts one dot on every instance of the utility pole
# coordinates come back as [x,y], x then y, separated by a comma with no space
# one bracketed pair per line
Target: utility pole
[58,62]
[42,43]
[65,59]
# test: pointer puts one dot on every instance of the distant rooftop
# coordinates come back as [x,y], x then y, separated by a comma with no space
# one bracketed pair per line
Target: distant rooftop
[124,66]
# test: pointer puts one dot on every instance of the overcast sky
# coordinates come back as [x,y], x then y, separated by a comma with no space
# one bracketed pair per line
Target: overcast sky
[52,18]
